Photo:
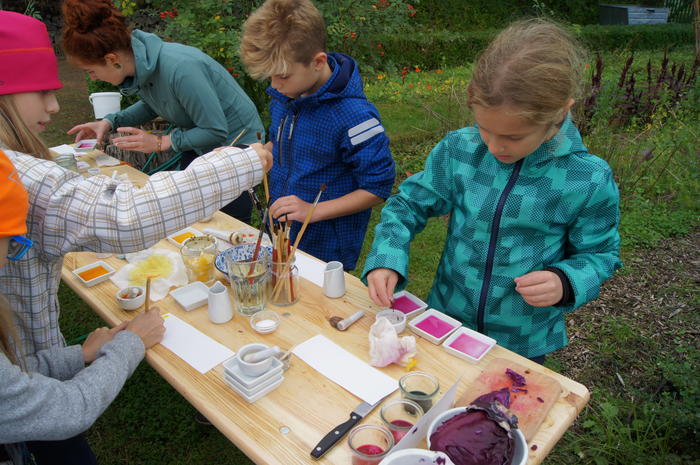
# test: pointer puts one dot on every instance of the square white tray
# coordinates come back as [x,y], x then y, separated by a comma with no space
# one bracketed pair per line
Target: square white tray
[258,394]
[173,241]
[98,279]
[471,333]
[191,296]
[232,370]
[417,311]
[427,314]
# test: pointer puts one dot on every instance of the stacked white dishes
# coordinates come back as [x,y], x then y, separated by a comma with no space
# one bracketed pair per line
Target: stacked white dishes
[253,380]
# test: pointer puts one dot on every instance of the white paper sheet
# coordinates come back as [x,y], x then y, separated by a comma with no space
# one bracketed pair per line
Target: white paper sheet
[310,268]
[346,370]
[102,159]
[63,149]
[192,345]
[419,431]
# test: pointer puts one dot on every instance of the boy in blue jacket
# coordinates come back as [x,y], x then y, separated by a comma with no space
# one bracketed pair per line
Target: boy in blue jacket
[323,130]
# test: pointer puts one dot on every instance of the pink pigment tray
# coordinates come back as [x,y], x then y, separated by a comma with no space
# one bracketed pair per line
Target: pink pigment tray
[408,304]
[433,325]
[468,344]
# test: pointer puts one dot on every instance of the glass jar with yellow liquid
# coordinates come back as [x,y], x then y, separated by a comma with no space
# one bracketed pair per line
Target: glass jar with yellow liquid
[199,253]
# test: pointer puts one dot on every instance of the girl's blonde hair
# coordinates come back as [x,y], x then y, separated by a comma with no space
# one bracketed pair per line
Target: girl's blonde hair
[280,33]
[8,332]
[533,67]
[15,135]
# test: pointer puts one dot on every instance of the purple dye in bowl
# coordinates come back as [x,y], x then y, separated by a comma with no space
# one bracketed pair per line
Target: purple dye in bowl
[469,345]
[435,326]
[404,304]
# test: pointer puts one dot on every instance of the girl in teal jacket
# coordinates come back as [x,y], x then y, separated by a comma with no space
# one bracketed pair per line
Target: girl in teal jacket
[533,216]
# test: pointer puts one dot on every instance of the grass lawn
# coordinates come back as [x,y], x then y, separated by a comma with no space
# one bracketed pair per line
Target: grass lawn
[636,347]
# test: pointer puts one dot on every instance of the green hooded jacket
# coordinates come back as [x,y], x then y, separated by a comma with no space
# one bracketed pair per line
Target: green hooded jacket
[558,207]
[190,90]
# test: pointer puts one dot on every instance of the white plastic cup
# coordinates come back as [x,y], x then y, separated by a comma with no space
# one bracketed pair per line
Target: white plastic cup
[105,103]
[334,280]
[220,308]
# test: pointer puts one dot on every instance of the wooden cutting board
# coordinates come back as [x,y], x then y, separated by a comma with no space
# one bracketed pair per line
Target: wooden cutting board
[530,411]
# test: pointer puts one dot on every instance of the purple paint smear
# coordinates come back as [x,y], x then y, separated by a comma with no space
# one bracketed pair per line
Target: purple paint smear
[404,304]
[518,380]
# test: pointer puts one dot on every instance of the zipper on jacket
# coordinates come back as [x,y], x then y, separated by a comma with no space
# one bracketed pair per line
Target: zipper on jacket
[280,131]
[495,224]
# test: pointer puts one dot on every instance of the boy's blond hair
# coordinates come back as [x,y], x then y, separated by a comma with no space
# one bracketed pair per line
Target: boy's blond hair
[534,67]
[279,33]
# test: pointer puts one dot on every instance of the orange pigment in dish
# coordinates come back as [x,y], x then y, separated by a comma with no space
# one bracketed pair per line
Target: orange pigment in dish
[180,238]
[92,273]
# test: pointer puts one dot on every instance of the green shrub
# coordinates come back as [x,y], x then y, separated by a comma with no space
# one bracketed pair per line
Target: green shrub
[440,48]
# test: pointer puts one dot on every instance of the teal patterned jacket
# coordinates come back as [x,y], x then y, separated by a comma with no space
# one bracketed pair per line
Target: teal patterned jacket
[557,207]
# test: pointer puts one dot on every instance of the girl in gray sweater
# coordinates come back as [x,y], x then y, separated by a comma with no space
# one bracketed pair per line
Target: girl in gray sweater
[53,395]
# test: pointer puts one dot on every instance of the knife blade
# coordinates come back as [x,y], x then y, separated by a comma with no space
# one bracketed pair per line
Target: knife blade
[342,429]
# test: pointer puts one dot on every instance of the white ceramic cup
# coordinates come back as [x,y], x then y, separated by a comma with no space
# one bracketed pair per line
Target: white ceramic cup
[220,309]
[334,280]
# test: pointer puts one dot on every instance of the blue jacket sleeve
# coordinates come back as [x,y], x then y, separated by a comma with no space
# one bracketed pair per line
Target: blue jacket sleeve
[424,195]
[593,243]
[365,147]
[194,91]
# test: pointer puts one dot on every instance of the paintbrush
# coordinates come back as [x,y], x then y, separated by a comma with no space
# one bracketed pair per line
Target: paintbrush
[238,137]
[307,219]
[148,292]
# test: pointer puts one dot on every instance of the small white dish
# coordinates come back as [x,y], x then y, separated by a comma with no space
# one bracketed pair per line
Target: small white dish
[131,303]
[179,238]
[251,392]
[433,325]
[232,370]
[259,394]
[395,317]
[191,296]
[85,145]
[520,455]
[85,277]
[264,322]
[416,457]
[408,304]
[468,344]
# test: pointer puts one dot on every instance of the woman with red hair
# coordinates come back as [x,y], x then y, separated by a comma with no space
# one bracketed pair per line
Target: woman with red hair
[186,87]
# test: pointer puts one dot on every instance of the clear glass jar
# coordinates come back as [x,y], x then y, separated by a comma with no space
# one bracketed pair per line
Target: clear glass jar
[199,253]
[284,283]
[67,161]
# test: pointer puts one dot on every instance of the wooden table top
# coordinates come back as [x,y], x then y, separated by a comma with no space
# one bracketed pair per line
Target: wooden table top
[282,427]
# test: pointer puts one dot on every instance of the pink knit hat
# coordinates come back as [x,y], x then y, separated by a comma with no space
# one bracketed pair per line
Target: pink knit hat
[27,60]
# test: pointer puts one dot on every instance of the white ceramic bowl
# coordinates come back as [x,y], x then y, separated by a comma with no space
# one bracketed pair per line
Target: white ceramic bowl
[395,317]
[127,303]
[416,457]
[253,369]
[265,321]
[520,454]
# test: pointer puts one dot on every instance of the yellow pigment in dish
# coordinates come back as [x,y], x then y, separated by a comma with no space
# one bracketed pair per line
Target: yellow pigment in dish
[92,273]
[155,266]
[180,238]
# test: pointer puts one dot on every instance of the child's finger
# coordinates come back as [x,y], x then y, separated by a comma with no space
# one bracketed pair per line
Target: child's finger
[534,289]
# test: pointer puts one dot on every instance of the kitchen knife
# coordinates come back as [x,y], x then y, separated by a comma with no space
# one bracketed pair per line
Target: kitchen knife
[341,430]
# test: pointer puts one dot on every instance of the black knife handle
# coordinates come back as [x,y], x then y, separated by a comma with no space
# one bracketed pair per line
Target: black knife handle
[334,436]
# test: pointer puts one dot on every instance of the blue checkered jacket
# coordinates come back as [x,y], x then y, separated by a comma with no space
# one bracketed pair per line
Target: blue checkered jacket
[333,137]
[558,207]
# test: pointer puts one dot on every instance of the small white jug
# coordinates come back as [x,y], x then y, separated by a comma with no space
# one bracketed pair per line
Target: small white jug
[220,308]
[334,280]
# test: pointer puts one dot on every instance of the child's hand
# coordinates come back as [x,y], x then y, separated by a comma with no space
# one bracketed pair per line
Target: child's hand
[540,288]
[148,326]
[382,282]
[97,339]
[292,206]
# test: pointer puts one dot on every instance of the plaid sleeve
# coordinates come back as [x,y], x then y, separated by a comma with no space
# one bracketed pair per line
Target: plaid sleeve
[593,243]
[423,195]
[69,213]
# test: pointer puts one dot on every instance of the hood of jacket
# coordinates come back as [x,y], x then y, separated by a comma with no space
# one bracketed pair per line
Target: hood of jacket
[146,48]
[344,82]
